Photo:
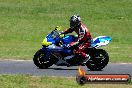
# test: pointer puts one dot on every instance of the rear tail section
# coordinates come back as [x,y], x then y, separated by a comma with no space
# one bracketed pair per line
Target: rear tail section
[101,41]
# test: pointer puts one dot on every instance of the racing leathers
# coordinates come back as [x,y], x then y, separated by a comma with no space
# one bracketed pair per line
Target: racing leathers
[83,41]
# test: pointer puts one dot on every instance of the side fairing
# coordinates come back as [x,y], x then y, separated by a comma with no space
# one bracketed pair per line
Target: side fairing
[53,48]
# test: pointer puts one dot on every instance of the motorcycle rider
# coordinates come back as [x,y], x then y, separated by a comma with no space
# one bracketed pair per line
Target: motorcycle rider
[84,36]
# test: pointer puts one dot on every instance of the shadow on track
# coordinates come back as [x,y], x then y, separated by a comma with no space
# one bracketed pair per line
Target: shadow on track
[61,68]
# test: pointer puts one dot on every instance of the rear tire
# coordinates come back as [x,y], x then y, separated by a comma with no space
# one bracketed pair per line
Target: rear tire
[40,60]
[99,59]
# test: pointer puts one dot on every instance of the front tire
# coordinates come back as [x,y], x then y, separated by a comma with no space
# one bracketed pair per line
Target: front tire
[99,59]
[40,60]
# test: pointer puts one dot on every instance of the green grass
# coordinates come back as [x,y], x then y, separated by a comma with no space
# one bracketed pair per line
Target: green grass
[28,81]
[24,23]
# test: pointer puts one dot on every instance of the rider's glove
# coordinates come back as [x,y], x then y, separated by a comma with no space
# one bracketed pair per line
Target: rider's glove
[61,34]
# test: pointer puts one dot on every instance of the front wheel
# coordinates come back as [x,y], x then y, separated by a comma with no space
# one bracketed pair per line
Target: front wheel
[99,59]
[41,61]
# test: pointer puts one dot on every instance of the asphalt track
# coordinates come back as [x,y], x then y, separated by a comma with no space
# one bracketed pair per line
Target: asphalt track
[27,67]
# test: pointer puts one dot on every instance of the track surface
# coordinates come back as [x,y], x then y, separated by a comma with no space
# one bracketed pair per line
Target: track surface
[27,67]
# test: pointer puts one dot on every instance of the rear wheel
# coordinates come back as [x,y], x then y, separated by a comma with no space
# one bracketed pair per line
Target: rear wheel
[41,61]
[99,59]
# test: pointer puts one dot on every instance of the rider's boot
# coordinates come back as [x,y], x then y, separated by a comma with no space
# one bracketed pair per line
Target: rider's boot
[86,58]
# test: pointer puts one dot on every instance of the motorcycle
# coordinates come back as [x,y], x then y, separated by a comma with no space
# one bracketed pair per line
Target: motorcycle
[53,51]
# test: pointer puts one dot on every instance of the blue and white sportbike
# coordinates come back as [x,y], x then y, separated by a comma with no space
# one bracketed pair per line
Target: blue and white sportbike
[53,51]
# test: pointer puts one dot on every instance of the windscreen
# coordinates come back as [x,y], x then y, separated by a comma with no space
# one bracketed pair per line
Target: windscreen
[54,34]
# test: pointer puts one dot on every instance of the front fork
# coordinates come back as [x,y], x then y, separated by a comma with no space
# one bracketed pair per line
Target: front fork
[47,53]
